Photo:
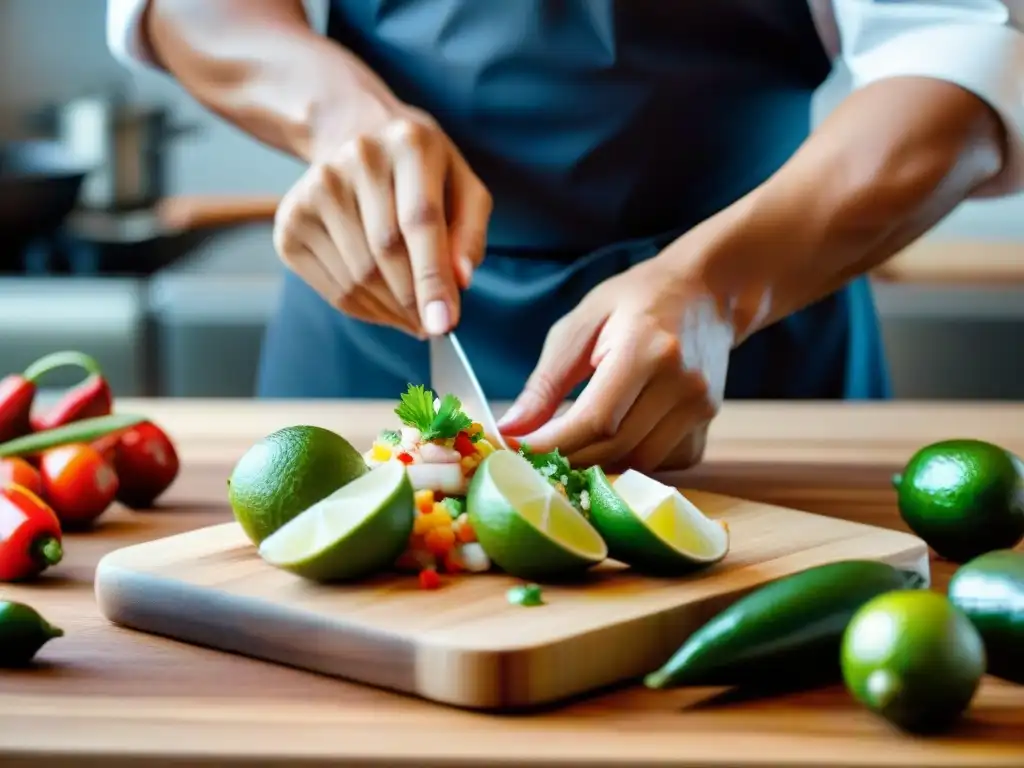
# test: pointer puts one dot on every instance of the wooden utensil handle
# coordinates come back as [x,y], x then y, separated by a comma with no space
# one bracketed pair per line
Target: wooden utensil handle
[199,211]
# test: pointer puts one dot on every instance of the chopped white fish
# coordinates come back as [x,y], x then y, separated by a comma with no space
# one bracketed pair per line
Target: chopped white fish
[432,453]
[474,559]
[446,478]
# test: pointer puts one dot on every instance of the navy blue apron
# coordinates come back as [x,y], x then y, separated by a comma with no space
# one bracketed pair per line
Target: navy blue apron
[604,130]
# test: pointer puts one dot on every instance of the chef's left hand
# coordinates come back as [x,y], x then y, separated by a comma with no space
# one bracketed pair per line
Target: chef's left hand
[655,348]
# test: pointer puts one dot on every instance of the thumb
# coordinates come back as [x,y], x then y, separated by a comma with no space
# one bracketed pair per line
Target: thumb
[470,212]
[564,363]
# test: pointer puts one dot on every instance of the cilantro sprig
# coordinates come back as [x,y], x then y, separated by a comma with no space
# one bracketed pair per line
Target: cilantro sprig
[416,409]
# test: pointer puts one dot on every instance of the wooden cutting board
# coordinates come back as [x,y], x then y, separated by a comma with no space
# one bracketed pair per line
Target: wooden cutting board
[464,644]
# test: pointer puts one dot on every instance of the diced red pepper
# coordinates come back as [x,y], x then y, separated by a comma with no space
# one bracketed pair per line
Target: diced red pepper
[464,445]
[405,458]
[30,534]
[15,470]
[78,483]
[16,396]
[146,464]
[89,398]
[429,579]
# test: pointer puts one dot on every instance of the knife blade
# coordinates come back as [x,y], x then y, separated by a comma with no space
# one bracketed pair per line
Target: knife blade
[451,373]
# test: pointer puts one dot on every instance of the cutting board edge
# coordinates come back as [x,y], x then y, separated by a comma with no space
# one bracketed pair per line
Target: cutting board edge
[129,599]
[502,679]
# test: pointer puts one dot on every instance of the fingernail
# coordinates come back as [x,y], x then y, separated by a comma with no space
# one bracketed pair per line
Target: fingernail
[436,318]
[466,267]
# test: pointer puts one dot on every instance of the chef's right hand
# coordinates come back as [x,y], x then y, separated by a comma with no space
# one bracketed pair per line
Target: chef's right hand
[389,226]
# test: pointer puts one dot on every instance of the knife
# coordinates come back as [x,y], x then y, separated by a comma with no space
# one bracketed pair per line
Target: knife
[451,373]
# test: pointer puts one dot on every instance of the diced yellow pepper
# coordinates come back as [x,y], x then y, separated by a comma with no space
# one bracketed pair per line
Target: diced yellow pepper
[425,501]
[484,448]
[441,514]
[380,452]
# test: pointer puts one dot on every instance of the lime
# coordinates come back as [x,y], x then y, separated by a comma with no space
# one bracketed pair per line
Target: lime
[358,530]
[527,528]
[914,658]
[652,526]
[963,497]
[287,472]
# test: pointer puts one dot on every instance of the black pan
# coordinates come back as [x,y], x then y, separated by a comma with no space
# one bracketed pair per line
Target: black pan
[39,185]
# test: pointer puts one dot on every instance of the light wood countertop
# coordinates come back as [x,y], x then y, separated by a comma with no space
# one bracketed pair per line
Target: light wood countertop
[105,696]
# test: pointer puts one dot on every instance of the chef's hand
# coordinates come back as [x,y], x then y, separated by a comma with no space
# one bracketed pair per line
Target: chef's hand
[656,351]
[388,225]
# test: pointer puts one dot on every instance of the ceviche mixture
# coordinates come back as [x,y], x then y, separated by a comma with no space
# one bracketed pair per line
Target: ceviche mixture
[442,447]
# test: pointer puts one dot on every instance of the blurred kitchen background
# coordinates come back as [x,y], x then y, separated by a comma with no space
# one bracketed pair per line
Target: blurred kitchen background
[163,267]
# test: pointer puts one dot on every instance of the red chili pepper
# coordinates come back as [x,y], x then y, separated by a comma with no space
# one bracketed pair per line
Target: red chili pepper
[30,534]
[464,445]
[89,398]
[16,470]
[78,483]
[16,396]
[405,458]
[146,464]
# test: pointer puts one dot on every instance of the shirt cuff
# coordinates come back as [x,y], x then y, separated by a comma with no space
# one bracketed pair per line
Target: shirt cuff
[985,59]
[125,38]
[127,41]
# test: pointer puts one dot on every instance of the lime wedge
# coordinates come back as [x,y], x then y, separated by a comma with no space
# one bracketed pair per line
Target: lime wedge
[652,526]
[358,530]
[528,529]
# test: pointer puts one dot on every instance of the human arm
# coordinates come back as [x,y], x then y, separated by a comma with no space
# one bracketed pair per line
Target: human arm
[937,117]
[388,221]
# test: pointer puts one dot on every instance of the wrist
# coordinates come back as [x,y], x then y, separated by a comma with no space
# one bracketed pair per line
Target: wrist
[722,260]
[354,103]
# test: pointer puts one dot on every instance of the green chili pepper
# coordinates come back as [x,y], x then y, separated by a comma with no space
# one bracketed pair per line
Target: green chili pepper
[22,633]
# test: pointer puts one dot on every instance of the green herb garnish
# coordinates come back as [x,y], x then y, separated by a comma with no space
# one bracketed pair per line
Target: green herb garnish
[526,595]
[556,468]
[416,409]
[456,505]
[391,436]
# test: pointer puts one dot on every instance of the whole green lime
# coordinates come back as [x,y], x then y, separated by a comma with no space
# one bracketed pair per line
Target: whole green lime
[914,658]
[963,497]
[287,472]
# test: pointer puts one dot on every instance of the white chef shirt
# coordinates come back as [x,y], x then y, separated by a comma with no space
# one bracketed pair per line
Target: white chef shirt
[977,44]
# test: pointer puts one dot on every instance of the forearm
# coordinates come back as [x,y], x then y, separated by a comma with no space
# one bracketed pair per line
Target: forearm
[259,65]
[885,167]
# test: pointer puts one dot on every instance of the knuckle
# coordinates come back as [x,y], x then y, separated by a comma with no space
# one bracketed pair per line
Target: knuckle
[413,134]
[425,214]
[286,243]
[388,244]
[600,425]
[364,274]
[666,348]
[318,177]
[542,384]
[358,154]
[430,283]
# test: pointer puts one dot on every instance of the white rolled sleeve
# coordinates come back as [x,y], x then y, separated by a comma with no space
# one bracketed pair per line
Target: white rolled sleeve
[127,40]
[975,44]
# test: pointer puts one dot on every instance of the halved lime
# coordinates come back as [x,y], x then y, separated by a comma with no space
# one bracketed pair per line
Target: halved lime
[652,526]
[526,527]
[356,531]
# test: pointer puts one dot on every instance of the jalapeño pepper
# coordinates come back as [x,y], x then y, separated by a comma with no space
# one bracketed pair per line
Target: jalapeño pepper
[22,633]
[89,398]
